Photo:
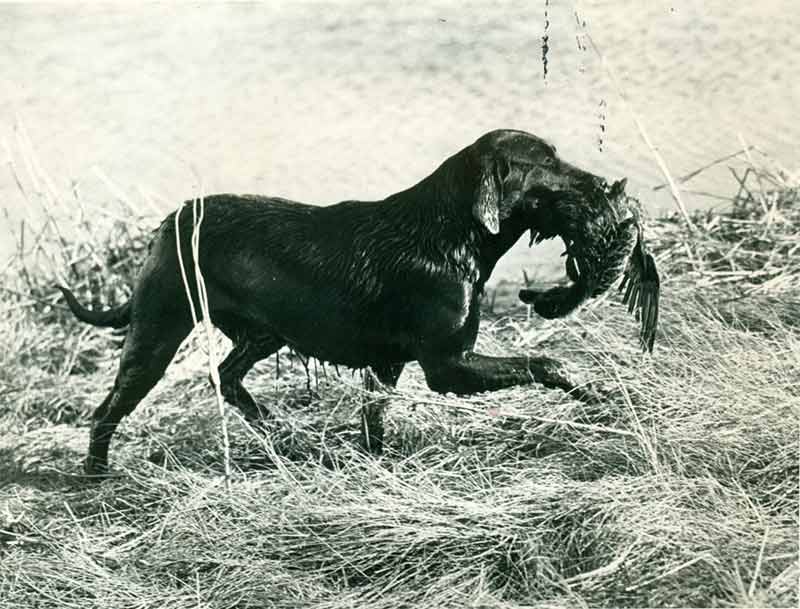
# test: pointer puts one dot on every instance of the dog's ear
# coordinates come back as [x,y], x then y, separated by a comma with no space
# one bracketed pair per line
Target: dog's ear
[486,208]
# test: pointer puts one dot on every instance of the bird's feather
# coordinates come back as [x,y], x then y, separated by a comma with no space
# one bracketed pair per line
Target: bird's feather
[642,287]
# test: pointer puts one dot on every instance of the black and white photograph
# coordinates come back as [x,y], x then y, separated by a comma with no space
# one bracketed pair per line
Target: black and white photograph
[443,305]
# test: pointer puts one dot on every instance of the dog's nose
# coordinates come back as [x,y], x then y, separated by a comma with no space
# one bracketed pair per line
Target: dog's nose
[616,190]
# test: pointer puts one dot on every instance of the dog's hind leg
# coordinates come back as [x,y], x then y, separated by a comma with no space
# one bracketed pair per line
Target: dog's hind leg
[146,353]
[473,373]
[372,411]
[247,350]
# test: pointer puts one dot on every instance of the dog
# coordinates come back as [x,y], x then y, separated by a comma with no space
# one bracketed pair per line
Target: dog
[378,284]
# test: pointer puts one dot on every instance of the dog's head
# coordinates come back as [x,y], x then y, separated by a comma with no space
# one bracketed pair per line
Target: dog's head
[523,185]
[522,179]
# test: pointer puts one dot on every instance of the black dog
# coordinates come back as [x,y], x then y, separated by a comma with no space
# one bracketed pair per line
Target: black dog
[378,284]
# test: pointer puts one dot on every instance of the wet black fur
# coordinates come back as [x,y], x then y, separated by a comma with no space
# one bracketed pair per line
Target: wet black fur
[362,284]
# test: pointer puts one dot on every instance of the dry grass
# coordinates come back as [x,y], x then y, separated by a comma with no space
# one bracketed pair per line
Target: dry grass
[752,246]
[681,490]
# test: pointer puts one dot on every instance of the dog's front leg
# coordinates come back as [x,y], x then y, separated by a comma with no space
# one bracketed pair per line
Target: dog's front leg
[377,377]
[473,373]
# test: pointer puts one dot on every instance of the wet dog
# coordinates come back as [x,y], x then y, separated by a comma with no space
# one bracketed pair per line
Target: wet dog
[381,283]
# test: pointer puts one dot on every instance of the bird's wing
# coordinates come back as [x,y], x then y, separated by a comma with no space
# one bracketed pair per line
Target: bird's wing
[642,291]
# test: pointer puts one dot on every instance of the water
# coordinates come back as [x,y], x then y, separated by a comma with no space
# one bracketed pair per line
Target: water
[323,102]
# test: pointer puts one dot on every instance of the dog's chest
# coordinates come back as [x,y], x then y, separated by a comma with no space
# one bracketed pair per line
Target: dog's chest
[463,304]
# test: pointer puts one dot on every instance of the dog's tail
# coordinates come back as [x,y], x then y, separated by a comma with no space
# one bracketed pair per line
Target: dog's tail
[111,318]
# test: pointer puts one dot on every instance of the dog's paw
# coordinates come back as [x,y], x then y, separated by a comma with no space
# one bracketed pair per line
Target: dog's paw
[307,398]
[591,393]
[95,469]
[371,446]
[568,377]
